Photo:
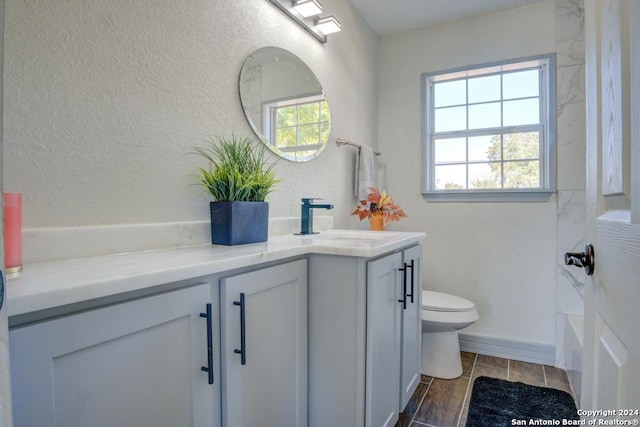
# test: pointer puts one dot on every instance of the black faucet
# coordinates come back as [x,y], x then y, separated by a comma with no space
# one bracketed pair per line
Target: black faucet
[306,226]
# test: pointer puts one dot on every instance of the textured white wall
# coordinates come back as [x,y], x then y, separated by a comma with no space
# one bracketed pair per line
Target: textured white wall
[104,98]
[501,256]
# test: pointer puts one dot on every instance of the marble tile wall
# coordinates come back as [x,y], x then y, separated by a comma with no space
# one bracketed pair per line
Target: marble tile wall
[571,238]
[571,146]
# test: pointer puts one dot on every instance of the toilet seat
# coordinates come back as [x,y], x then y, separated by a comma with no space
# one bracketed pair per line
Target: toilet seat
[438,301]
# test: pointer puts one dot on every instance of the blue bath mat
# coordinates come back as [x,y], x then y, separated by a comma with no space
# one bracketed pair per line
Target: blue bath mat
[496,402]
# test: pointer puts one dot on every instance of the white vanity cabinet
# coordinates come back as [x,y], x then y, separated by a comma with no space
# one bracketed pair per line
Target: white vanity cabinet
[147,362]
[364,345]
[302,332]
[264,347]
[135,363]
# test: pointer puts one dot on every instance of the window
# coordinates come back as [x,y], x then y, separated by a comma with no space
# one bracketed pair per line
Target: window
[490,132]
[298,126]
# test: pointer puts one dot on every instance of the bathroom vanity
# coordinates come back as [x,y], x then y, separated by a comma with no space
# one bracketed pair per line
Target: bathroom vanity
[364,337]
[209,335]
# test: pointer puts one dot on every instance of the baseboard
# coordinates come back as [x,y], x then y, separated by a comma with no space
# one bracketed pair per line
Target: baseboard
[507,348]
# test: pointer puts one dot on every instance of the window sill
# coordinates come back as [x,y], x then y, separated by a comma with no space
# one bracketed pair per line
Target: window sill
[482,196]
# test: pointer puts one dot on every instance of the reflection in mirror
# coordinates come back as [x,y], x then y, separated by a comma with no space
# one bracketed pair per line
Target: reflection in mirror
[285,104]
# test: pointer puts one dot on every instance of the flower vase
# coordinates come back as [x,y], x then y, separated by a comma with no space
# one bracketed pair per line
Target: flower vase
[377,222]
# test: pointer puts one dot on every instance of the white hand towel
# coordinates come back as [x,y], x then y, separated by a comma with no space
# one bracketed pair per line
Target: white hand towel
[365,172]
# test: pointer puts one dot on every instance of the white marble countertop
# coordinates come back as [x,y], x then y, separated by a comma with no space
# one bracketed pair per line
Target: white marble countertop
[46,285]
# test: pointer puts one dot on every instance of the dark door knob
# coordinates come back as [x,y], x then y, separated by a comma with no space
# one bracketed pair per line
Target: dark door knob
[584,259]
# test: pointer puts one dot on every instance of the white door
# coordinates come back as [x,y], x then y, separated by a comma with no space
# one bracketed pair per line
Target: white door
[611,377]
[5,383]
[411,359]
[384,306]
[138,363]
[264,347]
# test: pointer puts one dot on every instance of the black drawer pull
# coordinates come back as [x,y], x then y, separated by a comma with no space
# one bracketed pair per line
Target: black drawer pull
[243,345]
[412,279]
[404,287]
[209,367]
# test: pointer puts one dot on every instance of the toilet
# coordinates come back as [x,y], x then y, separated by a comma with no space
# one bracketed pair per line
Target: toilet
[442,315]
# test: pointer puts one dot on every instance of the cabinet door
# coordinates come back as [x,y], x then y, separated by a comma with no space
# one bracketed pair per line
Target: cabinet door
[384,291]
[411,325]
[131,364]
[264,347]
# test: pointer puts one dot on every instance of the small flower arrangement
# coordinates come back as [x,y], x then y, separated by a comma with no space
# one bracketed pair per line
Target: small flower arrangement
[379,203]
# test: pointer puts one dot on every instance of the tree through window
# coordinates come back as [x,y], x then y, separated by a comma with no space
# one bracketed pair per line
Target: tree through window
[298,126]
[490,129]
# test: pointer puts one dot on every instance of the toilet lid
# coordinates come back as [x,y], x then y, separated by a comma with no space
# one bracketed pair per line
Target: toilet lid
[437,301]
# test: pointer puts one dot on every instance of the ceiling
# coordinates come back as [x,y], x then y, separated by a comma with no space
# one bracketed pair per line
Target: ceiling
[394,16]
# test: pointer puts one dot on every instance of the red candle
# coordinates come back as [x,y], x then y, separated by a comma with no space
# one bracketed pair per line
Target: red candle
[12,232]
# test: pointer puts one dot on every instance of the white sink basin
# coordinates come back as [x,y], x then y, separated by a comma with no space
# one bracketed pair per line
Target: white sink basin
[353,235]
[351,238]
[359,243]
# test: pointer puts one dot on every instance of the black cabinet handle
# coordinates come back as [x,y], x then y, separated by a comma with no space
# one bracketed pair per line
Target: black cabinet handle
[404,287]
[1,289]
[412,280]
[243,349]
[209,367]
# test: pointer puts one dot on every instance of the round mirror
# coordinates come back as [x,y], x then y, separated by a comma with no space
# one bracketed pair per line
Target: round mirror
[285,104]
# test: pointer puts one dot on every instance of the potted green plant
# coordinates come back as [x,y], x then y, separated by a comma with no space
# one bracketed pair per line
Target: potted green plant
[239,179]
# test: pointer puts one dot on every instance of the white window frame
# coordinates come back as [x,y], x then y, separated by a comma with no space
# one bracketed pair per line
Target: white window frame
[269,111]
[547,65]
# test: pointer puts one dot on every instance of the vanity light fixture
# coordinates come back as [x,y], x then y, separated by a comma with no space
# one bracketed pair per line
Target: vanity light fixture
[294,9]
[328,25]
[308,8]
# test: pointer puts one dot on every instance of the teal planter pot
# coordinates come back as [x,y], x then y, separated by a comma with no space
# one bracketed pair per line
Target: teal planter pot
[239,223]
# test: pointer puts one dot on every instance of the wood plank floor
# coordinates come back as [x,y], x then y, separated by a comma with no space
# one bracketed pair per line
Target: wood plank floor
[444,403]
